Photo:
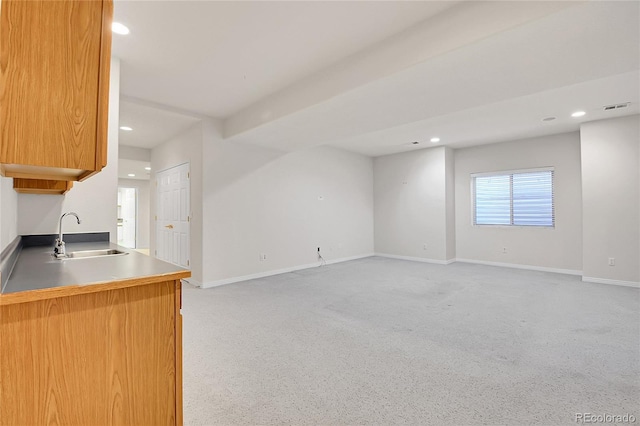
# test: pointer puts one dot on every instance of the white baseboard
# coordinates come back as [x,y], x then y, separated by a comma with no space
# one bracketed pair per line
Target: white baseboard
[347,259]
[416,259]
[192,281]
[279,271]
[232,280]
[519,266]
[635,284]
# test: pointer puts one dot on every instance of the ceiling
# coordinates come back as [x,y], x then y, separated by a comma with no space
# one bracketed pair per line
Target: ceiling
[216,57]
[512,119]
[151,125]
[370,76]
[127,167]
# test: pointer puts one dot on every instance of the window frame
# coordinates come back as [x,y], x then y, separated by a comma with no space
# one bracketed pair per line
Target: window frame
[510,173]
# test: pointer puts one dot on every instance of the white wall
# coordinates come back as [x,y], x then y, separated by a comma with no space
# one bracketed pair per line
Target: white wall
[134,153]
[258,200]
[8,212]
[610,198]
[184,148]
[94,200]
[411,203]
[553,248]
[143,213]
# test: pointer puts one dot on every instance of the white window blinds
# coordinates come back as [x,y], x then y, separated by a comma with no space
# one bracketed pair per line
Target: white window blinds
[522,198]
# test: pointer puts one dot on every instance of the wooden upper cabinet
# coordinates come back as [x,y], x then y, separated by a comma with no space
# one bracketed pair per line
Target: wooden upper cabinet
[42,186]
[54,87]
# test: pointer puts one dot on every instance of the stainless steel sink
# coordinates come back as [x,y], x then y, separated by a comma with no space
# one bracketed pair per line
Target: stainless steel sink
[93,253]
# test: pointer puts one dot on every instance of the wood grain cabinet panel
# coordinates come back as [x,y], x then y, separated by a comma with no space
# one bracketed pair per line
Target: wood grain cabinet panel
[54,87]
[107,358]
[41,186]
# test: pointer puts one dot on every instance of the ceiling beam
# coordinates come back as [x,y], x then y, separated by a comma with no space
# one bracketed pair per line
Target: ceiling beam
[458,26]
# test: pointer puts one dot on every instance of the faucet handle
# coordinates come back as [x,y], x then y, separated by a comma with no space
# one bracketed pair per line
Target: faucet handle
[58,248]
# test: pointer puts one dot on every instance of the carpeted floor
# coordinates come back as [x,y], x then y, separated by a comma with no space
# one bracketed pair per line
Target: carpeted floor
[380,341]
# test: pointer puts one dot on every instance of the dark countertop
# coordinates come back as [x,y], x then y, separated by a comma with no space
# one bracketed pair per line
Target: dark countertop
[36,270]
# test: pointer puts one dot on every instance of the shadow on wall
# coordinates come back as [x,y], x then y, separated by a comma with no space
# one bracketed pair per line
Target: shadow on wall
[227,163]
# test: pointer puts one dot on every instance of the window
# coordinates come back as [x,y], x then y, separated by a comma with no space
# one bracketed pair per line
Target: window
[522,198]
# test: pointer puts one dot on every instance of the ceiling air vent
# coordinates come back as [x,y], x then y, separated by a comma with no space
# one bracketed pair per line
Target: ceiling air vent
[616,106]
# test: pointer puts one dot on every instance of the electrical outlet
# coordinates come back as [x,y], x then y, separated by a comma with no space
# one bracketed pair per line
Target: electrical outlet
[424,246]
[504,250]
[612,261]
[263,257]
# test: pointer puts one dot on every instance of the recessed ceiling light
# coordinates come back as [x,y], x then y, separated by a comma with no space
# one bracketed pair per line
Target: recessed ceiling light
[548,119]
[126,128]
[147,168]
[131,175]
[435,140]
[578,114]
[119,28]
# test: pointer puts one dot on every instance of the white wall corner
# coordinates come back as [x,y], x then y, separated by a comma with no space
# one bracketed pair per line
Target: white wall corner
[610,156]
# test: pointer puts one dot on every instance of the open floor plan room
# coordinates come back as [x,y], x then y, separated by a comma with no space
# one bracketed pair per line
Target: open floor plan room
[322,212]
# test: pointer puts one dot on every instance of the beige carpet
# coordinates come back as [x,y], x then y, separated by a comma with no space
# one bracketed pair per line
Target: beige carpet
[379,341]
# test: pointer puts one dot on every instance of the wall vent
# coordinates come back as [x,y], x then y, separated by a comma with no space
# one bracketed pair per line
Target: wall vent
[616,106]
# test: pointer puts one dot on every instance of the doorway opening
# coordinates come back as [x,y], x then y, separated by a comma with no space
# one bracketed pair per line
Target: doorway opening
[127,216]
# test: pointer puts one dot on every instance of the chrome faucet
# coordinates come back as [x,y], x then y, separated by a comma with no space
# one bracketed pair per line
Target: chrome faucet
[58,249]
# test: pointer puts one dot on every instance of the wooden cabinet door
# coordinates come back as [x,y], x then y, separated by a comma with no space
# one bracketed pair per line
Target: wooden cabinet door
[108,358]
[54,87]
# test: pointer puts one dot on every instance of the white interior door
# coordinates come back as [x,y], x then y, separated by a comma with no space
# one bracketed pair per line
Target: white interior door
[173,215]
[127,217]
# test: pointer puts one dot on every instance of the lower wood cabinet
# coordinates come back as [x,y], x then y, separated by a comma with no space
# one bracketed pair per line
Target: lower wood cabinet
[112,357]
